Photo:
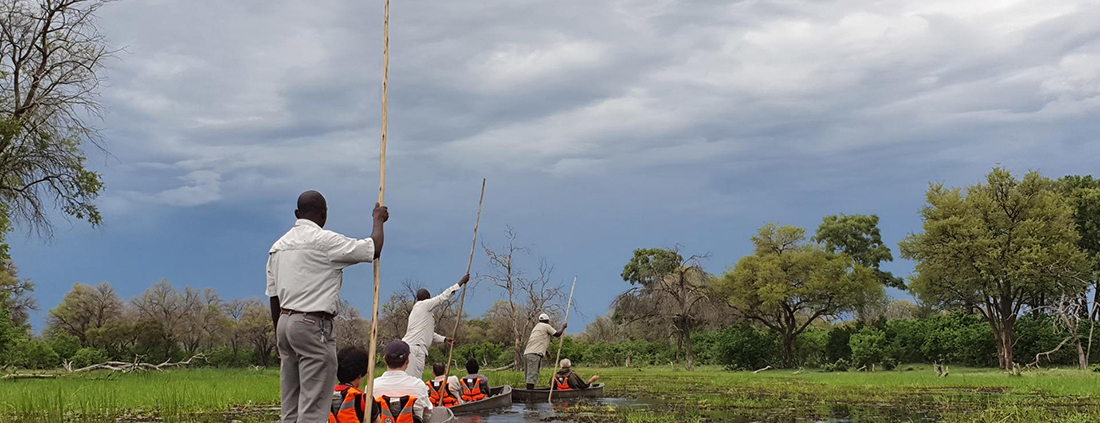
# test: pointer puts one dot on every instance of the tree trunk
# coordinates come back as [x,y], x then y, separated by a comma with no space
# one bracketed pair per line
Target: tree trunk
[689,352]
[1082,358]
[1004,343]
[788,350]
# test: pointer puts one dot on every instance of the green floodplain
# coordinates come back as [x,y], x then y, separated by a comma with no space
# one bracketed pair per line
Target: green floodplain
[657,394]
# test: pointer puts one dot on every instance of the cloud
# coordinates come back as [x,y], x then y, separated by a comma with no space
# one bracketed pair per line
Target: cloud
[199,187]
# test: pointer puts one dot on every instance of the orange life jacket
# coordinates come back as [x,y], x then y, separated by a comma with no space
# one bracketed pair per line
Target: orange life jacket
[351,408]
[440,394]
[471,389]
[397,410]
[561,382]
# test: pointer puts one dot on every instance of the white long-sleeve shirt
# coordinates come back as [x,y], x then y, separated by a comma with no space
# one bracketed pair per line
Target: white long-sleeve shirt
[421,328]
[305,268]
[397,383]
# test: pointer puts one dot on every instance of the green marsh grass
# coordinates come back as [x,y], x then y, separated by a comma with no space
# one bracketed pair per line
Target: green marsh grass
[705,395]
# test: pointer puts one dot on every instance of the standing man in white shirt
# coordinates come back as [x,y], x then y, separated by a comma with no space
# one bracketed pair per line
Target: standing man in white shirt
[305,269]
[420,333]
[537,344]
[396,383]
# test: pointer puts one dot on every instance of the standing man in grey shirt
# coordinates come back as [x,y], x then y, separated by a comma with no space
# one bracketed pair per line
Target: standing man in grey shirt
[305,270]
[537,345]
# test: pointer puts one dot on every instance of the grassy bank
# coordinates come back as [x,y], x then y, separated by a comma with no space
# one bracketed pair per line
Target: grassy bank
[708,394]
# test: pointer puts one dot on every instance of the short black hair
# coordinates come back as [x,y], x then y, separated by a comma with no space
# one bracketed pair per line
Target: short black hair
[471,366]
[352,363]
[439,369]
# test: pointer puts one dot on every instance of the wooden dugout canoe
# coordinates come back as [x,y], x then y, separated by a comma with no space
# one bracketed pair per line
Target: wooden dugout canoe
[500,397]
[535,395]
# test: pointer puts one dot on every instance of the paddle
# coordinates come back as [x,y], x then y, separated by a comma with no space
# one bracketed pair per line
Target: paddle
[462,299]
[381,195]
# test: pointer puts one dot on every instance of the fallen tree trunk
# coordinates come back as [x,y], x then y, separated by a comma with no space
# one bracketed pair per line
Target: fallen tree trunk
[134,366]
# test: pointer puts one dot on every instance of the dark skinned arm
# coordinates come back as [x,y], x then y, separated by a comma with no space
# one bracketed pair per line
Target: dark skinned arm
[562,331]
[381,215]
[276,309]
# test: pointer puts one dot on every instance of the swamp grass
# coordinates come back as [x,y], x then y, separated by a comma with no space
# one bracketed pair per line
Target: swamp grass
[707,394]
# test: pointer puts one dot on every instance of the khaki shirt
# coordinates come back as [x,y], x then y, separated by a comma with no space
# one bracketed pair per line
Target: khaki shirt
[540,339]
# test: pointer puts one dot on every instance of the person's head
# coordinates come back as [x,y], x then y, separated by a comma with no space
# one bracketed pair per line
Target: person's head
[472,367]
[565,363]
[438,369]
[396,355]
[423,294]
[352,364]
[544,318]
[312,206]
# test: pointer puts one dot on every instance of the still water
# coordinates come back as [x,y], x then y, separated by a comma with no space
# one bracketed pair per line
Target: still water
[544,412]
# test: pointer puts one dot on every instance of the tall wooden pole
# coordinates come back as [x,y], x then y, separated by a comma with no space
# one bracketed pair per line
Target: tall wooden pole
[381,196]
[462,299]
[550,396]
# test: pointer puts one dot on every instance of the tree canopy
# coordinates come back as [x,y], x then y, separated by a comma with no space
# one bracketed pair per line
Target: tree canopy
[996,247]
[788,284]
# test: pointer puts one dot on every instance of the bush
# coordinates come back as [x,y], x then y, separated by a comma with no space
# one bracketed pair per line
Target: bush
[1094,368]
[64,344]
[841,365]
[34,354]
[868,347]
[743,347]
[889,363]
[836,346]
[88,356]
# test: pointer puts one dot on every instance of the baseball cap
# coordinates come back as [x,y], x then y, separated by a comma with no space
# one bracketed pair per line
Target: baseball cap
[544,317]
[396,348]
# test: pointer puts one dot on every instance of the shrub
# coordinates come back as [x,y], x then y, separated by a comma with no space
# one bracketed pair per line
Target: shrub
[88,356]
[34,354]
[889,363]
[745,347]
[836,346]
[868,347]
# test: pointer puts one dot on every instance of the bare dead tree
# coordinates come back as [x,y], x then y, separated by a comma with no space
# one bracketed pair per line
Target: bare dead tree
[1071,315]
[166,306]
[351,328]
[51,57]
[526,297]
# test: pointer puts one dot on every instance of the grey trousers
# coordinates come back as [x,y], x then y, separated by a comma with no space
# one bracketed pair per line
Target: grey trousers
[532,365]
[307,346]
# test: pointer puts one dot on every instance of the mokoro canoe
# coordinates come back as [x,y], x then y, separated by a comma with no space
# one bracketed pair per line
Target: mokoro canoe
[534,395]
[500,397]
[441,415]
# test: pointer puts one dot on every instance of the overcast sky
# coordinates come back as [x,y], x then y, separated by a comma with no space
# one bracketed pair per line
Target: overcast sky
[602,126]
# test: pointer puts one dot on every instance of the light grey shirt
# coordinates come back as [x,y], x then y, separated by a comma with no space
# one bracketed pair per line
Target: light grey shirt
[305,268]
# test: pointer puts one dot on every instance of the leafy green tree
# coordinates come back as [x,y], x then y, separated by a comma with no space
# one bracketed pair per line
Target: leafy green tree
[668,290]
[858,236]
[85,308]
[53,55]
[788,284]
[1084,192]
[995,247]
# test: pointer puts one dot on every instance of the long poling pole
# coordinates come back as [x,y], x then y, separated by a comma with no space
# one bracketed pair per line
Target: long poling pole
[381,195]
[550,396]
[462,299]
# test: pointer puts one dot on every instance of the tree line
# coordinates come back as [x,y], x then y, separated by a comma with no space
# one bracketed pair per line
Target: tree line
[1005,265]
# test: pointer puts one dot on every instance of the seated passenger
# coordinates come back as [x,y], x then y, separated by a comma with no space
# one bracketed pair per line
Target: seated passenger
[348,405]
[566,379]
[402,398]
[443,393]
[475,387]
